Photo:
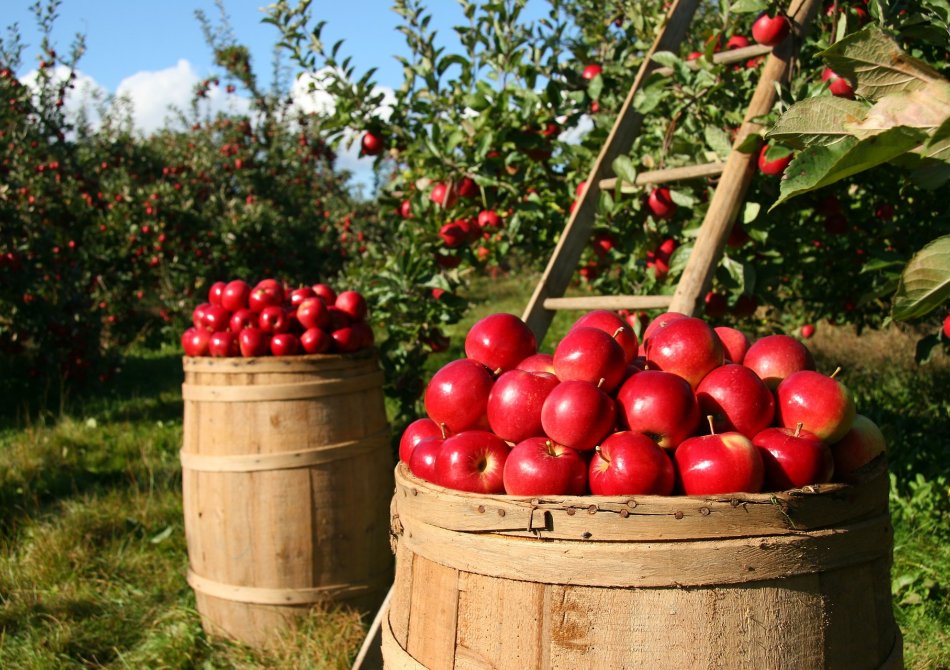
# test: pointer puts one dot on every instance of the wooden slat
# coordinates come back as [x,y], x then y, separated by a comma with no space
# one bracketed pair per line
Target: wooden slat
[665,176]
[557,275]
[609,302]
[739,55]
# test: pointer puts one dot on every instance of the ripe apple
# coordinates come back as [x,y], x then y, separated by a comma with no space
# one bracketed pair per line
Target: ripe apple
[353,303]
[776,165]
[737,42]
[946,326]
[405,209]
[423,458]
[838,85]
[414,433]
[267,293]
[775,357]
[661,203]
[807,330]
[457,395]
[500,341]
[736,399]
[326,292]
[215,292]
[612,324]
[346,340]
[488,218]
[371,144]
[660,405]
[442,195]
[540,362]
[770,30]
[273,319]
[337,318]
[591,71]
[735,343]
[859,446]
[284,344]
[298,295]
[793,458]
[253,342]
[215,318]
[312,313]
[467,188]
[719,463]
[629,463]
[316,341]
[822,404]
[661,321]
[688,347]
[537,466]
[472,461]
[198,315]
[223,344]
[591,355]
[577,414]
[515,402]
[453,234]
[195,341]
[715,305]
[241,319]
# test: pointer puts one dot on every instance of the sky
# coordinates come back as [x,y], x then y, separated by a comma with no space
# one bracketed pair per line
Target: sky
[154,51]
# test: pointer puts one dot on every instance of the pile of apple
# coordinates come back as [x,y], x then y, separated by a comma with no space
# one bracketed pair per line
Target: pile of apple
[694,410]
[273,319]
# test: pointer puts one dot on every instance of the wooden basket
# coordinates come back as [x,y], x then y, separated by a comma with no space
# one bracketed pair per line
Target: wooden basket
[793,580]
[286,482]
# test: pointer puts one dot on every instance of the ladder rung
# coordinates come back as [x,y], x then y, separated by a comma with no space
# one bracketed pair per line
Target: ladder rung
[609,302]
[741,54]
[668,175]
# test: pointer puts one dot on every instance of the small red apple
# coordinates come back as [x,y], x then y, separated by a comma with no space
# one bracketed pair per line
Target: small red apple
[353,303]
[223,344]
[736,399]
[371,144]
[735,343]
[821,403]
[660,203]
[577,414]
[793,458]
[284,344]
[776,165]
[537,466]
[838,85]
[775,357]
[500,341]
[312,313]
[195,341]
[688,347]
[540,362]
[628,463]
[591,355]
[253,342]
[215,292]
[660,405]
[591,71]
[423,458]
[807,331]
[472,461]
[457,395]
[414,433]
[770,30]
[326,292]
[235,295]
[515,402]
[316,341]
[661,321]
[612,324]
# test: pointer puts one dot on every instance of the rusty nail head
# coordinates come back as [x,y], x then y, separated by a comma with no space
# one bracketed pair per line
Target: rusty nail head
[704,511]
[415,492]
[592,509]
[587,535]
[501,512]
[481,509]
[624,513]
[571,511]
[632,504]
[678,515]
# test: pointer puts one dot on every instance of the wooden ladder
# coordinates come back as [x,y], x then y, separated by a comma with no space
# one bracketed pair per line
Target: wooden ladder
[735,174]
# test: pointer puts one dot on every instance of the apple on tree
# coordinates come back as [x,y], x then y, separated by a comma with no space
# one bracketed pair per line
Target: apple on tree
[770,30]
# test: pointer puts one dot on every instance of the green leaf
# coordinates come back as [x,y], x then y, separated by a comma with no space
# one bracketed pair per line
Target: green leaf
[925,282]
[750,144]
[818,166]
[595,87]
[821,120]
[877,64]
[748,6]
[750,212]
[646,100]
[666,58]
[718,141]
[624,169]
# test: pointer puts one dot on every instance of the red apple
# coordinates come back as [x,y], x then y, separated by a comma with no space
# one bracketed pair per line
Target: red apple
[316,341]
[807,331]
[241,319]
[298,295]
[442,195]
[488,218]
[770,30]
[839,86]
[859,446]
[612,324]
[737,42]
[822,404]
[628,463]
[457,395]
[688,347]
[198,315]
[223,344]
[591,71]
[736,399]
[577,414]
[405,209]
[414,433]
[346,340]
[337,318]
[500,341]
[715,305]
[661,321]
[353,303]
[537,466]
[312,313]
[793,458]
[776,165]
[660,203]
[472,461]
[775,357]
[423,458]
[735,343]
[253,342]
[515,401]
[453,234]
[660,405]
[719,463]
[467,188]
[195,341]
[591,355]
[284,344]
[371,144]
[267,293]
[273,319]
[540,362]
[215,292]
[326,292]
[215,318]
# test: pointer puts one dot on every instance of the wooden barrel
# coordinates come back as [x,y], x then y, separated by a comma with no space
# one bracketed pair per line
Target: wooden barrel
[798,579]
[286,483]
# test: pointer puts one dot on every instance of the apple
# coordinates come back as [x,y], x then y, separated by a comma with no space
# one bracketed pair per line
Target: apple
[453,234]
[537,466]
[775,357]
[500,341]
[326,292]
[737,42]
[405,209]
[195,341]
[719,463]
[629,463]
[859,446]
[371,144]
[807,331]
[612,324]
[540,362]
[946,326]
[715,305]
[442,195]
[346,340]
[284,344]
[488,218]
[273,319]
[423,458]
[661,203]
[736,399]
[793,458]
[414,433]
[688,347]
[577,414]
[776,165]
[661,321]
[591,355]
[770,30]
[253,342]
[457,395]
[353,303]
[363,333]
[267,293]
[215,292]
[312,313]
[821,403]
[467,188]
[472,461]
[591,71]
[337,318]
[223,344]
[241,319]
[316,341]
[298,295]
[735,343]
[838,85]
[660,405]
[515,402]
[198,315]
[215,318]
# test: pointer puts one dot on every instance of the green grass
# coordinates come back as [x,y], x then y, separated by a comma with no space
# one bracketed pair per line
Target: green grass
[92,548]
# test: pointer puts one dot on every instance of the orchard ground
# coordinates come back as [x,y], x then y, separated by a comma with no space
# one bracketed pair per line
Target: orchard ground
[92,569]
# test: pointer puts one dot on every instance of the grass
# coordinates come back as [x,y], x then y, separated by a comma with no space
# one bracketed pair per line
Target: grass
[92,548]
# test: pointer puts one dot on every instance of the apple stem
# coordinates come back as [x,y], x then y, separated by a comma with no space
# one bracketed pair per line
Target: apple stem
[601,453]
[798,429]
[837,370]
[712,428]
[497,372]
[618,331]
[601,382]
[445,430]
